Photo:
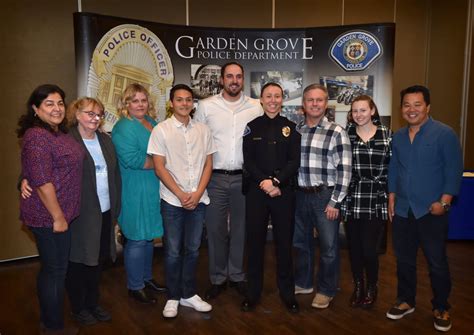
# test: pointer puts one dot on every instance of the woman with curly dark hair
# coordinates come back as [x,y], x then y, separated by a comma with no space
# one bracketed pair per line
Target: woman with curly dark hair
[51,161]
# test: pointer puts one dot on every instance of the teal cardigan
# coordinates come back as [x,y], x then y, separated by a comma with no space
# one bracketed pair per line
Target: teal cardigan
[140,218]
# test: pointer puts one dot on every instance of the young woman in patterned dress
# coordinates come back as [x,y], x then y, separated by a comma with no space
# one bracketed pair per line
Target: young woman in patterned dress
[365,207]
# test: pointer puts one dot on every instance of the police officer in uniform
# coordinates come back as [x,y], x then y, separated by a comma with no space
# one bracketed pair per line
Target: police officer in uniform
[271,148]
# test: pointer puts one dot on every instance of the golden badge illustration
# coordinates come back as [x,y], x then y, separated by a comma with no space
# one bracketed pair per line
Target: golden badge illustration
[129,54]
[286,131]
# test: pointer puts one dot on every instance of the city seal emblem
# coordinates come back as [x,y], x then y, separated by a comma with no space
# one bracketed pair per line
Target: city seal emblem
[129,54]
[355,50]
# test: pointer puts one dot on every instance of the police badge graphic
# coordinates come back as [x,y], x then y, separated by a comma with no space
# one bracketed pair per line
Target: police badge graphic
[355,50]
[129,54]
[286,131]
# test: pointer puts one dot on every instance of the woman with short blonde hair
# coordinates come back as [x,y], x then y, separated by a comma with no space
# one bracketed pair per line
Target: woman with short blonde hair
[128,95]
[140,219]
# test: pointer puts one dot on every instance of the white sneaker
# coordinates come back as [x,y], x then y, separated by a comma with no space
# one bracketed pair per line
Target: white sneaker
[197,303]
[300,290]
[171,309]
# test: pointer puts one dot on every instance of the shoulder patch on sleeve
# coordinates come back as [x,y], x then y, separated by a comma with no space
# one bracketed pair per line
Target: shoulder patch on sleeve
[246,131]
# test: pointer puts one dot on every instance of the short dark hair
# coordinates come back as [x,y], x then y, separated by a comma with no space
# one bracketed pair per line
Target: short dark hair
[180,87]
[30,120]
[416,89]
[270,84]
[229,64]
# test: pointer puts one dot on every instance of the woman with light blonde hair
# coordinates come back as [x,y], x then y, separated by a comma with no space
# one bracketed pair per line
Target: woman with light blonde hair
[140,219]
[128,95]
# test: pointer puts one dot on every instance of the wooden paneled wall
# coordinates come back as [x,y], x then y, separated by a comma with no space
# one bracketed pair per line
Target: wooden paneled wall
[38,47]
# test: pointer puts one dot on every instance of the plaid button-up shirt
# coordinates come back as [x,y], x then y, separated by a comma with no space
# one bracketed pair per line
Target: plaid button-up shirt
[325,158]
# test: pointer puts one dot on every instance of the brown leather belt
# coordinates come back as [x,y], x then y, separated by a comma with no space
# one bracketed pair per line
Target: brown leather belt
[314,189]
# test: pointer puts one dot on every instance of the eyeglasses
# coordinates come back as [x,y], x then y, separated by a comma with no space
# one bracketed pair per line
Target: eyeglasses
[93,115]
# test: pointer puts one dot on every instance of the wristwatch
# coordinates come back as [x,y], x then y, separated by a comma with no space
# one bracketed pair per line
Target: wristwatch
[445,205]
[275,182]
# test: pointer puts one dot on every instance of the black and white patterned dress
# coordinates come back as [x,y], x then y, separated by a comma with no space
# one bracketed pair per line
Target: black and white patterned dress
[367,197]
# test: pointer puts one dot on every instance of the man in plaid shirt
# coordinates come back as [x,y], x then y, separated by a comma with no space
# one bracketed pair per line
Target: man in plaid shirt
[323,180]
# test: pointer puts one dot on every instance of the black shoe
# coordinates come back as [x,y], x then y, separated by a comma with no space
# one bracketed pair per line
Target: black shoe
[85,318]
[358,294]
[442,320]
[248,305]
[292,306]
[100,314]
[215,289]
[370,297]
[399,310]
[154,286]
[240,286]
[142,296]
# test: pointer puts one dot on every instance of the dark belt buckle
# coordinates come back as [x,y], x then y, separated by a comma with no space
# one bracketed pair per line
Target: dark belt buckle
[228,172]
[317,189]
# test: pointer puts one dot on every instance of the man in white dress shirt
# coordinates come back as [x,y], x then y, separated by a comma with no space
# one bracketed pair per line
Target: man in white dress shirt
[227,115]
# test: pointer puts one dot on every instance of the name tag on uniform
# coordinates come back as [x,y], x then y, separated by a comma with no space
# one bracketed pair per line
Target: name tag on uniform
[257,138]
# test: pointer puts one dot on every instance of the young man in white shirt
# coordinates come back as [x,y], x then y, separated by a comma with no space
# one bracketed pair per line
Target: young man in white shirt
[182,154]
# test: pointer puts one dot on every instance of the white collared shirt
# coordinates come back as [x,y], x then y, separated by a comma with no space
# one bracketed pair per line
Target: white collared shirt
[227,121]
[185,149]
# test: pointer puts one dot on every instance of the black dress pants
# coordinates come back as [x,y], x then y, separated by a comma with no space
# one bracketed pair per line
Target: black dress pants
[259,207]
[82,281]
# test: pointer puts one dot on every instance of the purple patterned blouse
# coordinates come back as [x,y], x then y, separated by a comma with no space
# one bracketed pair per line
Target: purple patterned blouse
[51,158]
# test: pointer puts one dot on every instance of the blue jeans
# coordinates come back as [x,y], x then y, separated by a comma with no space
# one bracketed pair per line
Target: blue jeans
[182,239]
[309,215]
[138,259]
[53,251]
[430,232]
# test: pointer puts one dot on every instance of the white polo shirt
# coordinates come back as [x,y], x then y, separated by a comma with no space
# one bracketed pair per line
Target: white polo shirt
[185,149]
[227,121]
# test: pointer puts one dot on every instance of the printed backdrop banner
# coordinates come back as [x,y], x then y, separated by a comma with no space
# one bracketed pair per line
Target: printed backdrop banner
[113,52]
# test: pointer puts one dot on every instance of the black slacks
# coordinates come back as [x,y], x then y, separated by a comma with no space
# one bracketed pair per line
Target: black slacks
[259,207]
[82,281]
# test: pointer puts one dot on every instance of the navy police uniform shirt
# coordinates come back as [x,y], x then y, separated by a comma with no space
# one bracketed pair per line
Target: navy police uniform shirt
[271,148]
